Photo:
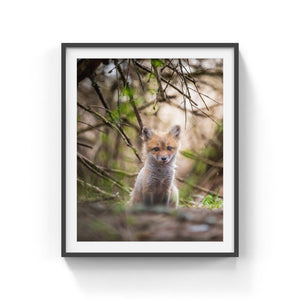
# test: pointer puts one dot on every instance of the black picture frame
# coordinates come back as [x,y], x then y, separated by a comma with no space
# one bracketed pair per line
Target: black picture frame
[235,47]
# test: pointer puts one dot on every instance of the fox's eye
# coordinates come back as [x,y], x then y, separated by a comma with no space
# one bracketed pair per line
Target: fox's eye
[169,148]
[156,149]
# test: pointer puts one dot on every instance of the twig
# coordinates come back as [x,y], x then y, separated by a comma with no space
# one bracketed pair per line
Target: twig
[175,88]
[139,77]
[200,96]
[205,95]
[116,62]
[209,72]
[185,109]
[131,100]
[121,172]
[204,159]
[166,81]
[100,172]
[99,106]
[128,68]
[115,67]
[146,105]
[111,124]
[194,83]
[211,162]
[190,79]
[201,114]
[184,80]
[169,80]
[97,89]
[127,123]
[118,102]
[189,72]
[161,91]
[96,189]
[91,127]
[114,126]
[170,62]
[84,145]
[200,188]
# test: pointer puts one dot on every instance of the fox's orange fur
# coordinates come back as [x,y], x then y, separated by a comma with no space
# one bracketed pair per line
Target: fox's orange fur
[155,181]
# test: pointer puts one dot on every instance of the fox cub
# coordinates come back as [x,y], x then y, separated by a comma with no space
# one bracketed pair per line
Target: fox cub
[155,182]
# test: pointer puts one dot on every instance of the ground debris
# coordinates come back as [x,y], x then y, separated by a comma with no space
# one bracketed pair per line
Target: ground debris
[139,223]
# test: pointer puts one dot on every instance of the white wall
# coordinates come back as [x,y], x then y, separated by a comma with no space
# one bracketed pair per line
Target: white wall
[31,33]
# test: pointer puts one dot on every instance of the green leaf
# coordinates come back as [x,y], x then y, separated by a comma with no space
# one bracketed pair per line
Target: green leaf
[157,63]
[208,200]
[189,154]
[209,152]
[212,201]
[125,108]
[150,76]
[152,91]
[127,91]
[220,128]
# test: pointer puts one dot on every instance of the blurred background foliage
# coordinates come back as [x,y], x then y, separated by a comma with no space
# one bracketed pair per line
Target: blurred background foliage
[117,97]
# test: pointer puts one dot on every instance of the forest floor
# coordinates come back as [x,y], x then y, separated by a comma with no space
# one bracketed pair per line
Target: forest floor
[96,222]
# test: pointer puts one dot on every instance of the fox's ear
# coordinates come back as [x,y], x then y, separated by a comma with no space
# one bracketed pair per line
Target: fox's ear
[146,133]
[175,131]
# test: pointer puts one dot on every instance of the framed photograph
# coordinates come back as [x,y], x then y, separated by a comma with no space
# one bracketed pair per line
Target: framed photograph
[150,149]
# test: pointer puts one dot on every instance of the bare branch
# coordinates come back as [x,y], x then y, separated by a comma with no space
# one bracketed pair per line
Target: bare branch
[131,100]
[194,83]
[99,106]
[171,77]
[115,66]
[114,126]
[121,172]
[127,123]
[196,113]
[184,80]
[181,75]
[170,62]
[207,161]
[200,188]
[146,105]
[209,72]
[161,91]
[96,189]
[170,84]
[200,93]
[98,91]
[84,145]
[179,91]
[91,127]
[100,172]
[139,77]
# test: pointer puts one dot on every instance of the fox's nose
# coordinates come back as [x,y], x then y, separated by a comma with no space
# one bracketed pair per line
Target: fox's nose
[163,158]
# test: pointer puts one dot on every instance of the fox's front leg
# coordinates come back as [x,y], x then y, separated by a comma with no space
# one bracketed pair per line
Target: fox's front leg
[166,198]
[148,199]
